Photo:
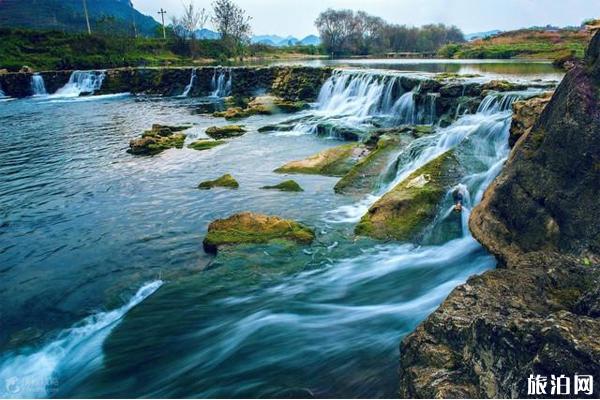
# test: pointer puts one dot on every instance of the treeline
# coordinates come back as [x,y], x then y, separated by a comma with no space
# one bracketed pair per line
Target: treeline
[344,32]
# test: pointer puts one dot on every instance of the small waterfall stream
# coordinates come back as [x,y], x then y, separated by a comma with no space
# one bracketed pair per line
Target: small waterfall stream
[221,82]
[38,88]
[188,88]
[81,83]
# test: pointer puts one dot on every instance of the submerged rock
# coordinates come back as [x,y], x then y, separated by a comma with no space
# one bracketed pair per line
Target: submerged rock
[409,207]
[525,113]
[158,139]
[537,313]
[205,144]
[286,186]
[226,181]
[225,132]
[335,161]
[249,227]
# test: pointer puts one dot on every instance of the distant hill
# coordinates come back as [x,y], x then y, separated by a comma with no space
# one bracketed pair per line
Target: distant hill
[207,34]
[311,40]
[278,41]
[67,15]
[481,35]
[549,43]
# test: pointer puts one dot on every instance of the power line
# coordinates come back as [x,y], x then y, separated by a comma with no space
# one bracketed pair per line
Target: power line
[162,15]
[87,18]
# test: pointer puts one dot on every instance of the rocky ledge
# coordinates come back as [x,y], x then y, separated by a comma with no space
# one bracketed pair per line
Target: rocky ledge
[539,311]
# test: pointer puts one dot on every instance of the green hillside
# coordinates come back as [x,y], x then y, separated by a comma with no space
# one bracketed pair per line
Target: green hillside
[115,16]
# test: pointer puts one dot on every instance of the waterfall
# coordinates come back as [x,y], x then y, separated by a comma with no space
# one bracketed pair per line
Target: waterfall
[2,92]
[480,141]
[82,83]
[221,84]
[188,88]
[37,85]
[71,351]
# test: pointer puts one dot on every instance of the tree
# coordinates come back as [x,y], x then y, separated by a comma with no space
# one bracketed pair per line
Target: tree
[233,25]
[344,32]
[336,27]
[185,27]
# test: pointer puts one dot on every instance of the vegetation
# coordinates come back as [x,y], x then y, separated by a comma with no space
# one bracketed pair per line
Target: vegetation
[226,181]
[344,32]
[54,50]
[538,43]
[286,186]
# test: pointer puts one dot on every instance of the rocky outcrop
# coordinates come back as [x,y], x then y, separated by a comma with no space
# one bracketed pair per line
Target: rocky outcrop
[225,181]
[158,139]
[538,313]
[225,132]
[249,227]
[335,161]
[408,208]
[261,105]
[300,83]
[205,144]
[525,113]
[286,186]
[383,145]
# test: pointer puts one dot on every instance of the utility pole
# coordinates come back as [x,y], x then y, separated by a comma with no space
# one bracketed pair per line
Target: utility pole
[87,17]
[162,15]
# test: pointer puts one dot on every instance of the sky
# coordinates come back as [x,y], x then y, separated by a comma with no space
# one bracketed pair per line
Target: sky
[296,17]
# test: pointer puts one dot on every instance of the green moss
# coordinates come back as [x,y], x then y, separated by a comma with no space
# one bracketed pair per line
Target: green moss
[254,228]
[286,186]
[335,161]
[412,204]
[204,144]
[226,181]
[224,132]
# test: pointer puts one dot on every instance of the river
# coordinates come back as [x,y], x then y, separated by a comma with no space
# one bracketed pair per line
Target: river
[106,291]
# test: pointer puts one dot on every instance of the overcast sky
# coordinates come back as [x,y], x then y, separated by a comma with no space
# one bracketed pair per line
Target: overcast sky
[296,17]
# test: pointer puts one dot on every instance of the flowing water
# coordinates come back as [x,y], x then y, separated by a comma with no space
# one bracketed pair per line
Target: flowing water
[106,291]
[37,85]
[221,83]
[188,88]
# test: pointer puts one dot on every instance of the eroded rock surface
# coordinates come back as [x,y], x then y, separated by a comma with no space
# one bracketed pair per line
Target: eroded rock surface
[158,139]
[538,313]
[335,161]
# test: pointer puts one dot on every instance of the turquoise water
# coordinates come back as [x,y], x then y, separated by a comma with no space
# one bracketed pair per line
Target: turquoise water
[106,291]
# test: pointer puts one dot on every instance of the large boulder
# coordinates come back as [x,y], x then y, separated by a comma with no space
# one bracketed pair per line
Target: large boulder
[158,139]
[411,205]
[538,313]
[299,83]
[335,161]
[249,227]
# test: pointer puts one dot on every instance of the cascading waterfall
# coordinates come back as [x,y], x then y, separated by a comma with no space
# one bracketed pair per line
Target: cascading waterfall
[484,152]
[221,83]
[188,88]
[354,100]
[82,83]
[38,88]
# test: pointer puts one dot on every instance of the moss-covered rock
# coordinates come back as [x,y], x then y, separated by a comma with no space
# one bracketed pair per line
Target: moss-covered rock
[261,105]
[286,186]
[158,139]
[409,207]
[249,227]
[226,181]
[365,176]
[335,161]
[205,144]
[225,132]
[502,86]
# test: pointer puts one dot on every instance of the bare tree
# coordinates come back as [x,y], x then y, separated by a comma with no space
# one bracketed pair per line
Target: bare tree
[233,24]
[186,26]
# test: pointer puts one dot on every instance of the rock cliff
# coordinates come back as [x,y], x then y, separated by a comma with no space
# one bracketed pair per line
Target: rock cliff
[539,311]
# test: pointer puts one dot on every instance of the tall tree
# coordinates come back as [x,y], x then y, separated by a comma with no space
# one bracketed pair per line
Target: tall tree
[233,25]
